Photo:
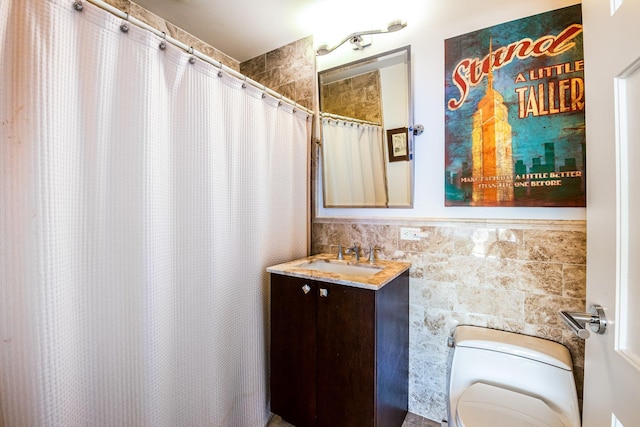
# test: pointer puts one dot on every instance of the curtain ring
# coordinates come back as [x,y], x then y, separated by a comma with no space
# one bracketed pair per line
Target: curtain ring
[244,83]
[220,73]
[264,91]
[125,25]
[280,101]
[163,43]
[295,107]
[192,58]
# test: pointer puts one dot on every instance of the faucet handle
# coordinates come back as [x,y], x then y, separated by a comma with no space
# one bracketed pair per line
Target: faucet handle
[340,255]
[372,253]
[354,251]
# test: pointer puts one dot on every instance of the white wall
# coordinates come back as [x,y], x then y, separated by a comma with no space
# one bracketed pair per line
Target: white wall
[394,102]
[429,24]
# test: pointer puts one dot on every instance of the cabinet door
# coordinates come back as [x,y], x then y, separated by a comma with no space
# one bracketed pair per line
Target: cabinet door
[346,357]
[293,349]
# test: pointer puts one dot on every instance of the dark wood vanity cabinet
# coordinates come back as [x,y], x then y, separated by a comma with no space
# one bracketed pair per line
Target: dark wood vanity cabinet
[339,354]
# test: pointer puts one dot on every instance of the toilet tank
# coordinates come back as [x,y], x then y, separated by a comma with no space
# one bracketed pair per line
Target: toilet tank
[521,363]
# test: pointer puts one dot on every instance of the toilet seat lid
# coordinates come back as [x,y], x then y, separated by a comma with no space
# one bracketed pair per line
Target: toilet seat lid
[483,405]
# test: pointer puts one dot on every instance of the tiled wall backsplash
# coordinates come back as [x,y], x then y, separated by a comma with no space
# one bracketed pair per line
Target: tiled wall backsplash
[512,276]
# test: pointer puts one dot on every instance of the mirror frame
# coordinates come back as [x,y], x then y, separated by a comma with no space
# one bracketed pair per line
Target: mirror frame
[409,126]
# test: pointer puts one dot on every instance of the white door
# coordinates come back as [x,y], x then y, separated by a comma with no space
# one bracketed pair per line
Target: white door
[612,86]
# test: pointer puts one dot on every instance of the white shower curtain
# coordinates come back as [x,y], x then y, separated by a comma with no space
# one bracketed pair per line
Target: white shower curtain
[141,198]
[353,164]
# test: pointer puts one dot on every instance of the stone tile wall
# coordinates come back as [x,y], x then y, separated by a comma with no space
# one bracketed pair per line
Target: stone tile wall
[160,24]
[512,276]
[289,70]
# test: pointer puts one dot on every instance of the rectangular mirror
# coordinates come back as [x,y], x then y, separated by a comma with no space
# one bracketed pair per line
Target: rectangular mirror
[367,156]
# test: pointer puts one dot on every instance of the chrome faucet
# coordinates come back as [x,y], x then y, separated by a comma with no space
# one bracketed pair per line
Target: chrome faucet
[372,254]
[354,250]
[340,255]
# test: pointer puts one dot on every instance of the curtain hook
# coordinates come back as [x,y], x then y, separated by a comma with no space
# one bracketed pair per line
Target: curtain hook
[77,5]
[125,25]
[295,107]
[280,101]
[163,43]
[192,58]
[264,91]
[244,83]
[220,73]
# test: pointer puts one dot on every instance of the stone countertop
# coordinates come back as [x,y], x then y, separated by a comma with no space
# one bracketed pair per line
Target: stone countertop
[389,271]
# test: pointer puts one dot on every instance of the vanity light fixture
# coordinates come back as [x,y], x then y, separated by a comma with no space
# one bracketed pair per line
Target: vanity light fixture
[357,40]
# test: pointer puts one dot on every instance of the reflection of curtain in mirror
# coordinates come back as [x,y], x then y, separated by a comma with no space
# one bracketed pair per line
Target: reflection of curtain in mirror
[353,164]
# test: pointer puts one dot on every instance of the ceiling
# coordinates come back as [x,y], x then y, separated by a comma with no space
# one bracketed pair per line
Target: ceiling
[241,29]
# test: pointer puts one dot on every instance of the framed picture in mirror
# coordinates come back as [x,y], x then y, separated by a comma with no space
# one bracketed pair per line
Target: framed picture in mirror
[397,140]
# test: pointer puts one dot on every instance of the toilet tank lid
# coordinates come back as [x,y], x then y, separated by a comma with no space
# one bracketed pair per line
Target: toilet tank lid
[534,348]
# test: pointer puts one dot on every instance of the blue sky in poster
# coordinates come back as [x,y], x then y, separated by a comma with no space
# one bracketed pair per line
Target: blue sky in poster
[529,134]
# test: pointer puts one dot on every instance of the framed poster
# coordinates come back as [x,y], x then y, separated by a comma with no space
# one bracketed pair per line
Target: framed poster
[514,113]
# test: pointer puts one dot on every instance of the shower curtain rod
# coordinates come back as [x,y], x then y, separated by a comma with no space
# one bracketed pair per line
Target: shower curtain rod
[347,119]
[124,15]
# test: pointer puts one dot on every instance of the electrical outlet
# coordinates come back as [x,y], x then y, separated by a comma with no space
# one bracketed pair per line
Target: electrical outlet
[407,233]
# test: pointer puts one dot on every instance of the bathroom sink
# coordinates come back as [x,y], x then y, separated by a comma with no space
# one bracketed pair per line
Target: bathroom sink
[326,268]
[340,268]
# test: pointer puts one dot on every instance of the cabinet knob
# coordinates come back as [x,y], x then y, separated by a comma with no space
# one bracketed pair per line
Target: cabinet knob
[324,292]
[306,289]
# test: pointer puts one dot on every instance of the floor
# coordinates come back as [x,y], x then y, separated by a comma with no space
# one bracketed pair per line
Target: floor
[411,420]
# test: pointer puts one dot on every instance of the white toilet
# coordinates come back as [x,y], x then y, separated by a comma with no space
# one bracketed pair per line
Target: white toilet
[504,379]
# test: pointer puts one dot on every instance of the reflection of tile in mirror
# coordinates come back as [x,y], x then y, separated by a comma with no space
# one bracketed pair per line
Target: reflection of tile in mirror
[358,97]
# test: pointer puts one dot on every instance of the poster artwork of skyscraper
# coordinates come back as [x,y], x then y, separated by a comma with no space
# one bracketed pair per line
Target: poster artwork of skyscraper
[514,113]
